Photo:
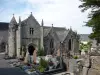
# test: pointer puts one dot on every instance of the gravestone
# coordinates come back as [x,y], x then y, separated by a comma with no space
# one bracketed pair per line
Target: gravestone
[86,65]
[34,56]
[83,53]
[95,66]
[26,57]
[58,52]
[72,65]
[6,52]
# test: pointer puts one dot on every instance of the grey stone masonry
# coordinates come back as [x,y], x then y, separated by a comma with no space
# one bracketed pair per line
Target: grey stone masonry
[42,32]
[18,40]
[12,38]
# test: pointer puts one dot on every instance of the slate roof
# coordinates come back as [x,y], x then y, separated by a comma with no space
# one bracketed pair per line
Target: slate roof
[3,36]
[84,37]
[4,31]
[60,31]
[62,34]
[4,26]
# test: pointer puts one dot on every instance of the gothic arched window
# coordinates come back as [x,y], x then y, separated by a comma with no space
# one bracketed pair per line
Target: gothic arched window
[51,43]
[69,44]
[51,46]
[31,31]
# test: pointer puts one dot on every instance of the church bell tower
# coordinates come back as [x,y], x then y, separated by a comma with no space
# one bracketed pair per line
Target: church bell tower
[12,37]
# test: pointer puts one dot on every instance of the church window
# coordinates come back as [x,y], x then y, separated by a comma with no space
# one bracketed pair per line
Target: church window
[51,44]
[69,44]
[3,46]
[31,31]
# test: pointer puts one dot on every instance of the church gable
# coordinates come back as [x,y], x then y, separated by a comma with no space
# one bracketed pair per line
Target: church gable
[71,42]
[69,36]
[62,34]
[31,27]
[51,40]
[31,21]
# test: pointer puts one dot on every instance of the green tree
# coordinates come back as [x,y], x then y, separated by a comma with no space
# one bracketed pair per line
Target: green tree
[86,46]
[94,16]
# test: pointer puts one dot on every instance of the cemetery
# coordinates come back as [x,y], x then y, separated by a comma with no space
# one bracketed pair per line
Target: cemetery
[39,65]
[52,40]
[33,64]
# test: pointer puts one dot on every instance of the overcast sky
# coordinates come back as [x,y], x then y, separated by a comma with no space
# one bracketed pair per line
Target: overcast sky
[62,13]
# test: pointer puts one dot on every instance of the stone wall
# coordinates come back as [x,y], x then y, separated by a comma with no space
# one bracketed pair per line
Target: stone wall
[95,66]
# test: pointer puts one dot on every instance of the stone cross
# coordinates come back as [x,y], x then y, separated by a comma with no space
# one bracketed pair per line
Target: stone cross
[34,56]
[6,52]
[58,52]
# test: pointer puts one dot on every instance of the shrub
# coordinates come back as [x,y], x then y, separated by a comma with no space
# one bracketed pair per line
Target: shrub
[41,68]
[42,65]
[40,52]
[75,57]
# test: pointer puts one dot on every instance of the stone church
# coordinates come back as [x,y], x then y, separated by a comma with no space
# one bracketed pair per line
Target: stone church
[30,33]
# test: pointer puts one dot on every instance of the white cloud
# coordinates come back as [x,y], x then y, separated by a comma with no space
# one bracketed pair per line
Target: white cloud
[41,1]
[63,13]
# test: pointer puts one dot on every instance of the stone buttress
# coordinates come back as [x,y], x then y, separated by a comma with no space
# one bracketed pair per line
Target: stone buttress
[41,37]
[12,37]
[18,38]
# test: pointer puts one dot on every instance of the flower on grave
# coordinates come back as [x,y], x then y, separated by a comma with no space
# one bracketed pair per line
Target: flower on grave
[41,68]
[28,64]
[31,70]
[25,67]
[34,63]
[50,63]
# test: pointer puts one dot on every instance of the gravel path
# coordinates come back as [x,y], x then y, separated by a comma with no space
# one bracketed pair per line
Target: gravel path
[6,69]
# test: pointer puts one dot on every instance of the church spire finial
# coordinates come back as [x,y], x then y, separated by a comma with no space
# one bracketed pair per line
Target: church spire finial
[13,15]
[31,13]
[52,25]
[42,23]
[13,20]
[52,28]
[19,19]
[70,28]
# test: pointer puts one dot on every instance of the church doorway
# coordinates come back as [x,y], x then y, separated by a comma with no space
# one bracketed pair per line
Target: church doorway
[2,47]
[31,49]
